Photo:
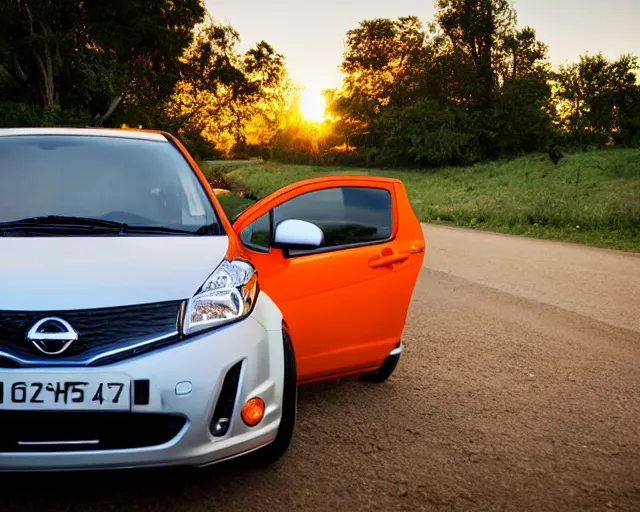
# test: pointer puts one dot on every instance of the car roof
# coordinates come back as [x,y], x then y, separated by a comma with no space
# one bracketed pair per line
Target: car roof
[126,133]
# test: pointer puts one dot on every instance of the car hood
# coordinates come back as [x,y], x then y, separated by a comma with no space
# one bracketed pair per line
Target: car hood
[51,273]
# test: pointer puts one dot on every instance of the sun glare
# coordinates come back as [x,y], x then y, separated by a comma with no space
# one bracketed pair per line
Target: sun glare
[312,105]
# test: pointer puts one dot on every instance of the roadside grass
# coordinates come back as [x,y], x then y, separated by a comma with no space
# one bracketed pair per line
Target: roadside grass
[233,204]
[591,198]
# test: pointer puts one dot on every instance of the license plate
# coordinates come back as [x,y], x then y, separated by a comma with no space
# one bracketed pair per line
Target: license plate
[64,392]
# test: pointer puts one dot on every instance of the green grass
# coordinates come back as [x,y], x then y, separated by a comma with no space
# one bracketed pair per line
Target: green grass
[591,198]
[233,204]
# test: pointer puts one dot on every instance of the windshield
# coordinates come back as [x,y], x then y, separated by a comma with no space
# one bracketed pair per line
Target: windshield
[131,181]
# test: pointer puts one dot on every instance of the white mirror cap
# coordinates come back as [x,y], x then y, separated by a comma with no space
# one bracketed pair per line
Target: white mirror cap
[298,233]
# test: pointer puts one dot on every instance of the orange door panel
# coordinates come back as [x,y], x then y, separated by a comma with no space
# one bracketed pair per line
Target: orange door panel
[345,304]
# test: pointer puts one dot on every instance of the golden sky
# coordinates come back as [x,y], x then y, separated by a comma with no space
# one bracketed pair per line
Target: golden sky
[311,33]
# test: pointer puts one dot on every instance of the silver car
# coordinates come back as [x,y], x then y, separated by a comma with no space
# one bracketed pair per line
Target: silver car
[139,329]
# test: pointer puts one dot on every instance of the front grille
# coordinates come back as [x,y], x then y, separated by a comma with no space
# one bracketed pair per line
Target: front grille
[32,431]
[100,330]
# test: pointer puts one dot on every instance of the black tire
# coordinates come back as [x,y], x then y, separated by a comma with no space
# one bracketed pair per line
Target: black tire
[384,372]
[277,448]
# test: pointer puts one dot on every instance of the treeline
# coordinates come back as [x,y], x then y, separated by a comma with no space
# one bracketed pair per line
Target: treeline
[162,64]
[471,86]
[466,87]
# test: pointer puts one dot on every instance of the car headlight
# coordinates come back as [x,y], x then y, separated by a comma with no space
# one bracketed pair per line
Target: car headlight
[226,296]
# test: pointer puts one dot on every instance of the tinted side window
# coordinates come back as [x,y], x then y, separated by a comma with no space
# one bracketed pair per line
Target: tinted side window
[346,215]
[257,234]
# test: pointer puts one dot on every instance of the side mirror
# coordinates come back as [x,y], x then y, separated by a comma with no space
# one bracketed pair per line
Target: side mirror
[294,234]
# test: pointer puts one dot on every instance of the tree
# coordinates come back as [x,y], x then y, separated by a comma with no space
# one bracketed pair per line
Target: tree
[474,72]
[384,64]
[522,111]
[474,29]
[92,54]
[599,100]
[222,91]
[521,55]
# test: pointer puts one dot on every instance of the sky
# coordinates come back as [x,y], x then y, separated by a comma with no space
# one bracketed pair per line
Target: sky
[311,33]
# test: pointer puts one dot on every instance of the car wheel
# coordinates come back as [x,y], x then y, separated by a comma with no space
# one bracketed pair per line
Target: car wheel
[277,448]
[384,372]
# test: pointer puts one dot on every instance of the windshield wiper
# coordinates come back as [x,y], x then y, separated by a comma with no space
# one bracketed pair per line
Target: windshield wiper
[209,229]
[62,223]
[59,224]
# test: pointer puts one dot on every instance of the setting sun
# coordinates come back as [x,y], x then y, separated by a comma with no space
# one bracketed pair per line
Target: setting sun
[312,105]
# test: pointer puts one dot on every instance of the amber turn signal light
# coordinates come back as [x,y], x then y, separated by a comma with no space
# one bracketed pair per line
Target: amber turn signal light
[253,411]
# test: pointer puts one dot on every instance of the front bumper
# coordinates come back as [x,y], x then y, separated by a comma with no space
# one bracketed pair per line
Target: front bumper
[203,362]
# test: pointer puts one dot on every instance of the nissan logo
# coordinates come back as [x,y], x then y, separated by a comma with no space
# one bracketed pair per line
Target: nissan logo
[52,336]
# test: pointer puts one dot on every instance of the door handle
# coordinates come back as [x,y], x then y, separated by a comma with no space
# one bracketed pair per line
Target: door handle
[384,261]
[417,248]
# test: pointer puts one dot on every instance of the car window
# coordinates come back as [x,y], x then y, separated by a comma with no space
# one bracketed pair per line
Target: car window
[133,181]
[346,215]
[257,234]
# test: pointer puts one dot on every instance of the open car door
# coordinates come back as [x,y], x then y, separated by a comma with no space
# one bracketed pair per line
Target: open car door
[344,290]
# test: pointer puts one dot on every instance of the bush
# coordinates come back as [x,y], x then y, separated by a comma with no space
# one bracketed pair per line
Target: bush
[199,148]
[16,115]
[250,152]
[346,158]
[427,135]
[67,117]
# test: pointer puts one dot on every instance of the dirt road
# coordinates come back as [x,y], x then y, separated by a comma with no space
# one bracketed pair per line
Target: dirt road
[519,389]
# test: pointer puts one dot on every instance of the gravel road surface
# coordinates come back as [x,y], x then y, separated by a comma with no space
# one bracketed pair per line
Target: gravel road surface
[519,389]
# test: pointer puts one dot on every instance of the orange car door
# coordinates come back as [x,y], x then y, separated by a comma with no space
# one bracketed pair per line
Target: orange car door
[344,303]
